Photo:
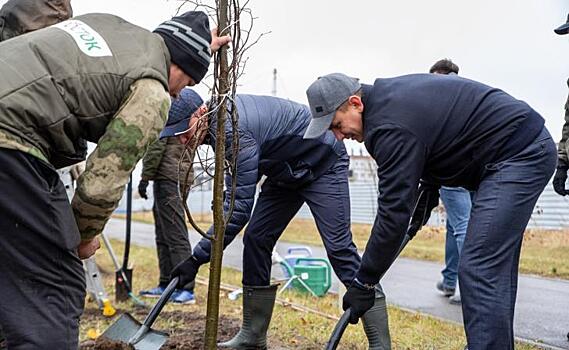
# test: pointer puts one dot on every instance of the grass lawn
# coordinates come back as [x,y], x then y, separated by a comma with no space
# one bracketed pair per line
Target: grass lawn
[289,329]
[544,252]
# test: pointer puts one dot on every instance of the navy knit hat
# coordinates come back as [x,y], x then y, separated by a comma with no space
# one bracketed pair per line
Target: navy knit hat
[181,111]
[188,39]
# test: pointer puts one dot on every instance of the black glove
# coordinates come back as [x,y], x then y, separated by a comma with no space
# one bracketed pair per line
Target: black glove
[142,188]
[559,181]
[186,271]
[428,201]
[359,298]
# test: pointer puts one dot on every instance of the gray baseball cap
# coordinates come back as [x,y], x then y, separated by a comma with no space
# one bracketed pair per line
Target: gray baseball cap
[325,95]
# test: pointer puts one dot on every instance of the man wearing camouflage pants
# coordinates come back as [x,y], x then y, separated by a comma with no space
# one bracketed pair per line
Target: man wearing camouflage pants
[93,78]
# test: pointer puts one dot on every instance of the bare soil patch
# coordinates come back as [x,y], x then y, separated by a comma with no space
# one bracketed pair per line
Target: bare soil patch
[186,333]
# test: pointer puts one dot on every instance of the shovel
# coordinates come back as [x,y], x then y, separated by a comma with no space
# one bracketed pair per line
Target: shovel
[123,276]
[141,336]
[120,272]
[340,327]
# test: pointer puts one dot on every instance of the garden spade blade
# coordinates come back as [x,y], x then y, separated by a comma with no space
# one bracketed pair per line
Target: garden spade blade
[126,327]
[141,336]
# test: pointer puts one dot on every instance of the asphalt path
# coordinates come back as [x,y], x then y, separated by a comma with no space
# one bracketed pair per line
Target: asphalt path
[542,307]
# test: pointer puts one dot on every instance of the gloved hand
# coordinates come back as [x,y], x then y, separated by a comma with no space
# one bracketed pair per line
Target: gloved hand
[559,180]
[142,189]
[186,271]
[359,298]
[428,201]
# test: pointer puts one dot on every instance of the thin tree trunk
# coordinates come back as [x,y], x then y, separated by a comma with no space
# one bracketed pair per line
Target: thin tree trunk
[218,217]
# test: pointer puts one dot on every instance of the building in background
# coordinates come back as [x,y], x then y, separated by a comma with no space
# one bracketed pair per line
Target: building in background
[203,172]
[363,168]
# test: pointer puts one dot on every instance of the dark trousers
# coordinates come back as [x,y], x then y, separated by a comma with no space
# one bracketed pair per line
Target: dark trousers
[42,288]
[172,242]
[329,201]
[488,267]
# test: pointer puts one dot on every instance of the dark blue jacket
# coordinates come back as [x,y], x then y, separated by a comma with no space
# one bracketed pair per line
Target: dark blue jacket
[271,144]
[440,128]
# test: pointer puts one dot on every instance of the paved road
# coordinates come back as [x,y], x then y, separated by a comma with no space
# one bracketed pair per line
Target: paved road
[542,309]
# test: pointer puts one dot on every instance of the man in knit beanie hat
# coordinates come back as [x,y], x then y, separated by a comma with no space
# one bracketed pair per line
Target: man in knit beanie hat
[93,77]
[188,40]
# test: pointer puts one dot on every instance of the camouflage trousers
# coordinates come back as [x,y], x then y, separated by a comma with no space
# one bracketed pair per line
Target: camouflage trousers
[43,284]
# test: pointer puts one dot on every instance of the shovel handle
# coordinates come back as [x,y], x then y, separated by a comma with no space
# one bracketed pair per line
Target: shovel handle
[339,330]
[153,314]
[343,322]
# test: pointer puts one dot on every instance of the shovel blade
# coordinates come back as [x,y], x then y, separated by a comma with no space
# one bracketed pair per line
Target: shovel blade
[125,328]
[153,340]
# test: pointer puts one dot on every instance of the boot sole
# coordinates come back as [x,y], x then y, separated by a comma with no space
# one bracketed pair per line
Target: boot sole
[151,296]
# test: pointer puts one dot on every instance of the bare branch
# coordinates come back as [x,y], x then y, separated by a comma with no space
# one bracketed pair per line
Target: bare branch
[229,65]
[185,181]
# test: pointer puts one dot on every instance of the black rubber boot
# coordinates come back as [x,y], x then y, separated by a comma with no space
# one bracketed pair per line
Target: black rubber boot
[376,325]
[258,305]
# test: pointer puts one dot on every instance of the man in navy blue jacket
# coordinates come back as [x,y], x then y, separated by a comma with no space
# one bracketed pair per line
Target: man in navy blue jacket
[451,131]
[298,171]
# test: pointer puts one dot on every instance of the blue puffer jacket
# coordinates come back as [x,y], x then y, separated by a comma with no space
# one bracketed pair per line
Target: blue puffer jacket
[271,144]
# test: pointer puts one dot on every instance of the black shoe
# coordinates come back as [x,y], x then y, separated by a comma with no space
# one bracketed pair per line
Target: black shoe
[447,292]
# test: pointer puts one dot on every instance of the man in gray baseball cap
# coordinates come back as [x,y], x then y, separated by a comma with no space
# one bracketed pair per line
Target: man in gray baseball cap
[445,130]
[325,98]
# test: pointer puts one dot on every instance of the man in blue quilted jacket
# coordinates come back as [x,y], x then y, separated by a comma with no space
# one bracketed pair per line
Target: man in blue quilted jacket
[297,171]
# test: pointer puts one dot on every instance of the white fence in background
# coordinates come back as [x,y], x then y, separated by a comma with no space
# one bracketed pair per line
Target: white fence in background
[551,211]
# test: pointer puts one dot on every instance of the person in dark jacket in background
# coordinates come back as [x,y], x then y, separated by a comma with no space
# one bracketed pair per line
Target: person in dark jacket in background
[562,151]
[162,164]
[297,171]
[451,131]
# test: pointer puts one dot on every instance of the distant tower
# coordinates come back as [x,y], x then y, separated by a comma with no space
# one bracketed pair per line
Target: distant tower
[274,91]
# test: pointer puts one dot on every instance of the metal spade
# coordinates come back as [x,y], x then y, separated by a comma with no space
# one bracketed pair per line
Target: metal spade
[141,336]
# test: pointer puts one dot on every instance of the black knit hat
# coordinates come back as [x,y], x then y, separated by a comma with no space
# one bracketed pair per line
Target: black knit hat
[188,39]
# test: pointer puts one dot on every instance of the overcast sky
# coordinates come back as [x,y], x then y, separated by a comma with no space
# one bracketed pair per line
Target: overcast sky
[508,44]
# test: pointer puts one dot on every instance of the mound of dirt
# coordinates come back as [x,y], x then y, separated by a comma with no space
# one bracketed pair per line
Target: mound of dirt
[190,334]
[107,344]
[187,335]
